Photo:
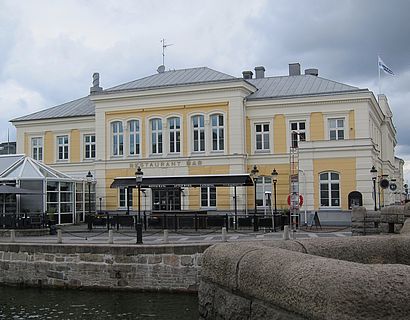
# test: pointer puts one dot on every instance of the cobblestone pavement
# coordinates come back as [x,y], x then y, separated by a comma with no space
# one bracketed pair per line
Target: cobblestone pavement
[127,236]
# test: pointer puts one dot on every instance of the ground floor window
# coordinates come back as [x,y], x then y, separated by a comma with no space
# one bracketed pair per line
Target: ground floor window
[60,201]
[124,196]
[329,189]
[263,187]
[208,197]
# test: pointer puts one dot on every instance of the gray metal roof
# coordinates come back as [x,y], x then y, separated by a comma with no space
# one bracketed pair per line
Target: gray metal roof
[272,87]
[291,86]
[76,108]
[175,78]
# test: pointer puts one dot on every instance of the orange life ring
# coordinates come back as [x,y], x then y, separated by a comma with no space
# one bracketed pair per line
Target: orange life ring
[300,200]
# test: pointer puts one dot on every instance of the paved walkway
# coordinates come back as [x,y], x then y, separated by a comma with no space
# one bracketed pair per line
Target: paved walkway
[80,235]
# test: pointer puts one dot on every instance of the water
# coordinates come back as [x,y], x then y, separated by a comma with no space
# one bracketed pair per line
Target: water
[32,303]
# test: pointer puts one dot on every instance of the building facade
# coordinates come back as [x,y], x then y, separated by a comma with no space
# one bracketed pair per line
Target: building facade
[203,122]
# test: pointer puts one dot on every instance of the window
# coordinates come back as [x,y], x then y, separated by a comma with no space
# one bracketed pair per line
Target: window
[117,133]
[174,127]
[156,136]
[124,197]
[62,147]
[262,136]
[37,148]
[336,129]
[198,125]
[208,197]
[134,137]
[297,132]
[329,189]
[89,146]
[263,187]
[217,123]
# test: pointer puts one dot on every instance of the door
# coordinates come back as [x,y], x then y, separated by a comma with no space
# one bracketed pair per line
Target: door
[166,199]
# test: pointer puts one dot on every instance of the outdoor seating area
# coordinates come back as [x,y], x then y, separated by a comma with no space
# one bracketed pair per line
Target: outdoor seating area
[23,221]
[188,220]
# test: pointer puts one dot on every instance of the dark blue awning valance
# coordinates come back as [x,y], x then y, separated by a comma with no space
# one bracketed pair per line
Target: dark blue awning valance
[186,181]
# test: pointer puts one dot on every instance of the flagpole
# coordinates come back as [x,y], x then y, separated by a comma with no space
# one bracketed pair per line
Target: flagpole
[378,68]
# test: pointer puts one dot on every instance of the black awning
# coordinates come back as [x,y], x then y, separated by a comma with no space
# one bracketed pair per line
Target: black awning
[186,181]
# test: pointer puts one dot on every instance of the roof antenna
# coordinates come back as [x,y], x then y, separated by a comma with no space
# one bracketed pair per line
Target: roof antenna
[161,68]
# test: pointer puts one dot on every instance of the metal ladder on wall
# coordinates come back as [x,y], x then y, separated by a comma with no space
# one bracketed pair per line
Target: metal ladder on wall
[294,195]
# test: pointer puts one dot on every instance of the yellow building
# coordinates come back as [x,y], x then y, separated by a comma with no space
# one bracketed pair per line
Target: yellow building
[203,122]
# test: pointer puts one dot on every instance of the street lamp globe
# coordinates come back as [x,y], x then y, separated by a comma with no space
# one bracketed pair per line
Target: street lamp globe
[274,175]
[89,177]
[373,171]
[255,172]
[138,176]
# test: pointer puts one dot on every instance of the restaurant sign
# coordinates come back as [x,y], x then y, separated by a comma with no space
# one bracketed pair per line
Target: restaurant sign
[167,164]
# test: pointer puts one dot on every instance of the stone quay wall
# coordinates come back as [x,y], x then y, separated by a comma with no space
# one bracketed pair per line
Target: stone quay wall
[360,278]
[156,268]
[389,219]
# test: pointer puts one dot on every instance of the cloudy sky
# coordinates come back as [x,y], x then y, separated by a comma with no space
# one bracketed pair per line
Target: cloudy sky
[49,49]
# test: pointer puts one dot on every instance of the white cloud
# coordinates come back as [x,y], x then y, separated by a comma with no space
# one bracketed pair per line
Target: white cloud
[15,101]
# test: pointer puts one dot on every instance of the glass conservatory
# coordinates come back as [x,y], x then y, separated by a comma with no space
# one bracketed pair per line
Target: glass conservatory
[31,187]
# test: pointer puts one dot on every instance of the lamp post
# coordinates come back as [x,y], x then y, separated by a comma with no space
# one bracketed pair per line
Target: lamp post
[373,171]
[275,180]
[255,175]
[89,178]
[138,226]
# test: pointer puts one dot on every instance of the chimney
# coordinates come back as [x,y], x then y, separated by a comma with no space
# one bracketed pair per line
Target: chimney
[294,69]
[96,84]
[247,74]
[259,72]
[312,72]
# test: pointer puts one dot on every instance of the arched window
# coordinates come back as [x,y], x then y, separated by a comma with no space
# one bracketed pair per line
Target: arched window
[329,189]
[117,134]
[134,137]
[198,127]
[156,136]
[217,125]
[174,129]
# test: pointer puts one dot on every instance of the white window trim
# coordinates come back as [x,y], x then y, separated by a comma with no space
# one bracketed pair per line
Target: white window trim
[61,134]
[42,147]
[208,207]
[127,138]
[330,207]
[148,140]
[266,185]
[83,144]
[119,199]
[216,112]
[297,118]
[111,145]
[166,132]
[191,135]
[337,115]
[253,135]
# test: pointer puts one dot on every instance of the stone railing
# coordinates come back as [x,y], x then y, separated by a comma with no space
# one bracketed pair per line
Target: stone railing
[344,278]
[162,267]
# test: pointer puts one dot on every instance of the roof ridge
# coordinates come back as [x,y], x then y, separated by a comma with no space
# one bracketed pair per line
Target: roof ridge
[167,71]
[306,75]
